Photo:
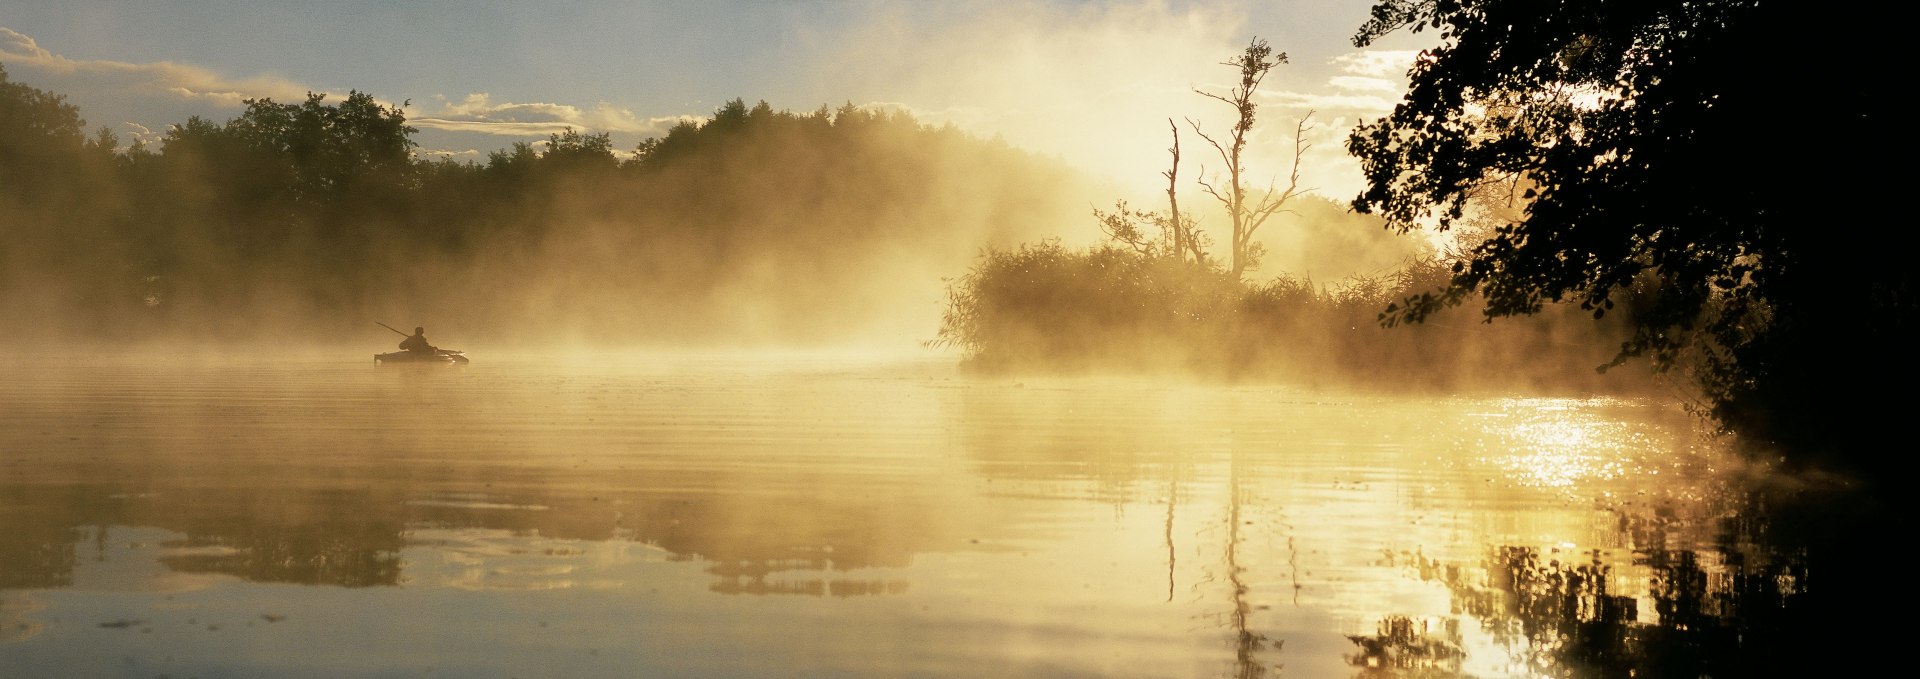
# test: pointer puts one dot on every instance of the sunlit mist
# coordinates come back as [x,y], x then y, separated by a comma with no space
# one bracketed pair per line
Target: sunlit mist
[1096,85]
[1148,339]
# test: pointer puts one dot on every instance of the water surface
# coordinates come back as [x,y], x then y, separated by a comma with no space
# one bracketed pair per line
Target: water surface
[708,515]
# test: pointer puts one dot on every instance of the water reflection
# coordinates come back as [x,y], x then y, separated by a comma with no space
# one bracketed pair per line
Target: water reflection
[1743,604]
[320,479]
[312,537]
[1408,647]
[1088,527]
[16,617]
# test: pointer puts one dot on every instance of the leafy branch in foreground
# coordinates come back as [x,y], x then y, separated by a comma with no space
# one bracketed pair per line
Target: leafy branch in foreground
[1646,138]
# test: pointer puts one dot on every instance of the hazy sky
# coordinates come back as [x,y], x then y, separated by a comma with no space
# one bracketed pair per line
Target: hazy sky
[1090,82]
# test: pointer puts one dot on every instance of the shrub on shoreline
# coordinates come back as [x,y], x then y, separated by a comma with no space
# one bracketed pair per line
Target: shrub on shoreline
[1045,308]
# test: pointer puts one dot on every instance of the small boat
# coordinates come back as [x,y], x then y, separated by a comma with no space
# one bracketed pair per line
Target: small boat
[438,356]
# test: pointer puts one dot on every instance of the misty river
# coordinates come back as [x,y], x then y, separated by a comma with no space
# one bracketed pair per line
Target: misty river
[811,514]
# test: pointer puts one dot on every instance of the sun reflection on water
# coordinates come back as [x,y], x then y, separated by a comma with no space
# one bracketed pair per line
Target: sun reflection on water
[16,617]
[688,524]
[1559,443]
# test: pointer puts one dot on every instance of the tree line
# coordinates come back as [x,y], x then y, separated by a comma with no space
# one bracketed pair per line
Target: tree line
[308,219]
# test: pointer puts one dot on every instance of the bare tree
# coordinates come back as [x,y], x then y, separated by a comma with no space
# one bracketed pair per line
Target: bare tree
[1253,63]
[1185,241]
[1171,234]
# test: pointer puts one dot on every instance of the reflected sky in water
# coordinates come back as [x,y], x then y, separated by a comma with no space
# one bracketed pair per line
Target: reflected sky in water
[810,515]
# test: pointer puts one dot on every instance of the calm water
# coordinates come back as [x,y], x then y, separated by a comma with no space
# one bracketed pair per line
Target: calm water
[819,516]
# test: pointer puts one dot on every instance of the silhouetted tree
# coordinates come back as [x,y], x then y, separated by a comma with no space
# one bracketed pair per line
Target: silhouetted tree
[291,217]
[45,153]
[332,148]
[36,127]
[513,160]
[1184,231]
[60,210]
[574,151]
[1661,145]
[1253,63]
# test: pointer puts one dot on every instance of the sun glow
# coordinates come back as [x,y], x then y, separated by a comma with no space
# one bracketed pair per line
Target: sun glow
[1556,443]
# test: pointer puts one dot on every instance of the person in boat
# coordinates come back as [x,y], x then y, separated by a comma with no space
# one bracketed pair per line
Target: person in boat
[417,342]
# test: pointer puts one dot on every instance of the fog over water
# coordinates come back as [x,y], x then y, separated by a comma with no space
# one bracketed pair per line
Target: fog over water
[692,513]
[837,391]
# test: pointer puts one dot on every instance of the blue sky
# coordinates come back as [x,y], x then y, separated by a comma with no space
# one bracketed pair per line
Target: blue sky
[1090,82]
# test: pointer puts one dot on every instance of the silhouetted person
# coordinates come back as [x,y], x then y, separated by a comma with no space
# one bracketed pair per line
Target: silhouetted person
[417,342]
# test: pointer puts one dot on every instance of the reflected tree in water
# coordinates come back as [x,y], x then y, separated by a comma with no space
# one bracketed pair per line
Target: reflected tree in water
[323,554]
[326,537]
[296,537]
[1564,615]
[36,556]
[1249,645]
[840,588]
[1740,608]
[1399,649]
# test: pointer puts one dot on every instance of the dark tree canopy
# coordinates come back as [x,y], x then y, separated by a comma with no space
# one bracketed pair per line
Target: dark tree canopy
[1732,161]
[40,137]
[296,222]
[581,152]
[330,146]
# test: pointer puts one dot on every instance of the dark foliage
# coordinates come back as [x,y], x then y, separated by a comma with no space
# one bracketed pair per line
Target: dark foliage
[1133,306]
[305,221]
[1780,583]
[1665,144]
[1046,305]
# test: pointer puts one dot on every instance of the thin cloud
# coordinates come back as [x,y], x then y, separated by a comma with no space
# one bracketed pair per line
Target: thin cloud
[480,105]
[493,127]
[176,80]
[477,112]
[611,118]
[449,154]
[141,133]
[1365,84]
[1329,102]
[476,105]
[1377,63]
[199,91]
[228,98]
